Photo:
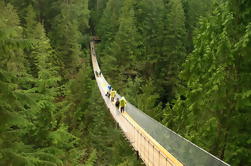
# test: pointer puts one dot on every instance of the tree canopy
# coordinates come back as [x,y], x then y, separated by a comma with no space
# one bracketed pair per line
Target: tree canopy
[185,63]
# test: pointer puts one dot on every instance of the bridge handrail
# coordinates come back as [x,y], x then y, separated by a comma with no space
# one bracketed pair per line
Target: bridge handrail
[184,150]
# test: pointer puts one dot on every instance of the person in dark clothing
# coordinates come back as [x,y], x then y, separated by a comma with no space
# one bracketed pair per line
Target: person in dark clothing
[109,89]
[117,103]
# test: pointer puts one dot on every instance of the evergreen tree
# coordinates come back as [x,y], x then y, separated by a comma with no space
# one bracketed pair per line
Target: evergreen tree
[150,24]
[111,14]
[194,9]
[125,46]
[30,33]
[97,9]
[66,43]
[108,32]
[216,82]
[50,109]
[13,99]
[173,51]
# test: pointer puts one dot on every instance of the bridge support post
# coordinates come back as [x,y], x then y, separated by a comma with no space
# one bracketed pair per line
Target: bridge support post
[117,125]
[137,154]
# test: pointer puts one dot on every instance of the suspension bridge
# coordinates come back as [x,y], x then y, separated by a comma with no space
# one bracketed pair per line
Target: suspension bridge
[156,144]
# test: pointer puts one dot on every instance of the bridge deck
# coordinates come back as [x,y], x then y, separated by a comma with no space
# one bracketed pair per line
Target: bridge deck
[143,135]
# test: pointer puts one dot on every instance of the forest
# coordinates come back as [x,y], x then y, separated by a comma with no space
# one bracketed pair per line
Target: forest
[185,63]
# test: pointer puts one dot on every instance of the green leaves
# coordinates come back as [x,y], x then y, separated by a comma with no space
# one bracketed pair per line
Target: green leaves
[92,158]
[215,86]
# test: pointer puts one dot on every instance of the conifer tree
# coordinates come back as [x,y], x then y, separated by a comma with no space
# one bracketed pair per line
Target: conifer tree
[66,37]
[216,82]
[30,33]
[46,82]
[79,97]
[13,101]
[47,131]
[111,14]
[194,10]
[17,107]
[97,10]
[173,50]
[125,46]
[150,24]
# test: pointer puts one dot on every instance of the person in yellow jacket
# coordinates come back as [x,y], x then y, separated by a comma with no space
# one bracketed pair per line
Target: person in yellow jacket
[113,94]
[122,104]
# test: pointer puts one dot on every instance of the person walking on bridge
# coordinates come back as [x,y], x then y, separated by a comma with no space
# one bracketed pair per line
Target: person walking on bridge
[96,73]
[113,94]
[109,88]
[117,103]
[122,104]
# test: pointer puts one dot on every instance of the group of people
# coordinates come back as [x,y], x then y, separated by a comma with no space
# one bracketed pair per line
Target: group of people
[119,103]
[98,74]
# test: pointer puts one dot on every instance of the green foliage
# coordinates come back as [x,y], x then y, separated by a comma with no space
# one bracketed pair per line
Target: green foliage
[30,133]
[91,160]
[199,68]
[143,36]
[150,24]
[66,42]
[194,10]
[48,112]
[97,7]
[13,98]
[173,50]
[90,120]
[51,112]
[111,14]
[216,77]
[126,42]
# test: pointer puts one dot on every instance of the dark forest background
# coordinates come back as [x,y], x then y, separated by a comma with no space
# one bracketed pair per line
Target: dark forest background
[186,63]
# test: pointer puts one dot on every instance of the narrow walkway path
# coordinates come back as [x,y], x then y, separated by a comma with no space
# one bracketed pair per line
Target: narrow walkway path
[156,144]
